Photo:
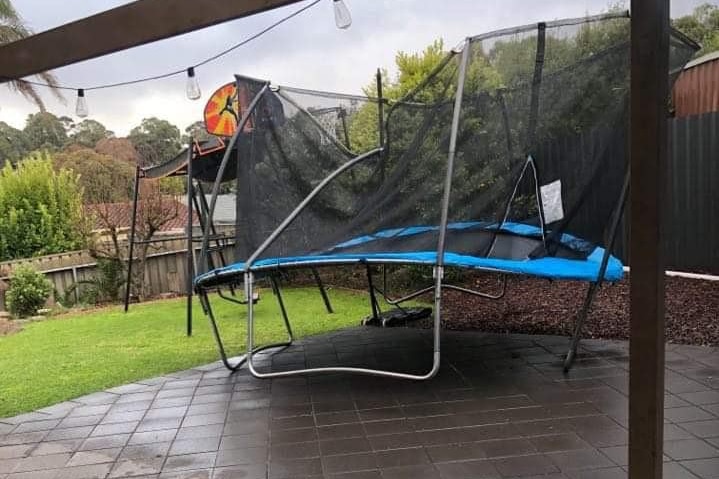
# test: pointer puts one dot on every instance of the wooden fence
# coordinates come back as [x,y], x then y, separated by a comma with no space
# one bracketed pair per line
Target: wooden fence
[165,271]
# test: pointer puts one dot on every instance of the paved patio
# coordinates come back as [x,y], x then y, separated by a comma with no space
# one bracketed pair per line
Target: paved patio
[500,407]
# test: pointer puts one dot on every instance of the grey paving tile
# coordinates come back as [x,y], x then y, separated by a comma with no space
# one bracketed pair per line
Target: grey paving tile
[195,445]
[33,426]
[524,466]
[97,456]
[247,471]
[580,459]
[130,468]
[141,452]
[10,452]
[704,468]
[94,471]
[690,449]
[703,429]
[189,461]
[37,463]
[104,442]
[248,455]
[164,435]
[411,472]
[69,433]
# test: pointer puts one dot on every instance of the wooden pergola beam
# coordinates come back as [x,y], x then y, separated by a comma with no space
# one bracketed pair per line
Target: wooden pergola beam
[127,26]
[649,93]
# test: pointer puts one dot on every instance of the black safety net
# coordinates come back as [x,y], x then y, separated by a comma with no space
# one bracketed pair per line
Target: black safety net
[539,166]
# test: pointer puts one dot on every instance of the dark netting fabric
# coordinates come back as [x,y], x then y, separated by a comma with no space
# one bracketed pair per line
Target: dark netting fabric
[540,153]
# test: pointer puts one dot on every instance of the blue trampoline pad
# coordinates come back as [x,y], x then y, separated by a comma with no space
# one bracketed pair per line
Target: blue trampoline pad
[546,267]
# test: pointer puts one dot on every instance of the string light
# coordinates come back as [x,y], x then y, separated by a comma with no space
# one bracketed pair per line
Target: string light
[81,105]
[343,19]
[193,87]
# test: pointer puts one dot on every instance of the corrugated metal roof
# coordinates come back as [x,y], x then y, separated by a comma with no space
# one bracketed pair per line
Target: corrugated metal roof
[702,59]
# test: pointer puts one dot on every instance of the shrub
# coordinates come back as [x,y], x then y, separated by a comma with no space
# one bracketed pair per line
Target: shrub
[28,291]
[40,210]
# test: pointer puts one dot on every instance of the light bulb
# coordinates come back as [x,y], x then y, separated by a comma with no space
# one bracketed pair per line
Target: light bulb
[81,105]
[343,19]
[193,87]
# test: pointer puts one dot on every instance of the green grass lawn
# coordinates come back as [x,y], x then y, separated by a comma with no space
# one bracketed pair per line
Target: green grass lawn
[76,354]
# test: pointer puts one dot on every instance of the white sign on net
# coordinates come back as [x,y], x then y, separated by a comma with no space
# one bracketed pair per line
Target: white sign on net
[551,194]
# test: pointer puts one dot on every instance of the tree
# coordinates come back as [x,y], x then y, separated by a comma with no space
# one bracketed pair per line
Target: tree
[12,28]
[40,209]
[196,131]
[44,131]
[156,140]
[88,133]
[102,178]
[13,145]
[701,25]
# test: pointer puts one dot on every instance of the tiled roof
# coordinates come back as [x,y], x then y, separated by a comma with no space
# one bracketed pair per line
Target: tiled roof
[119,215]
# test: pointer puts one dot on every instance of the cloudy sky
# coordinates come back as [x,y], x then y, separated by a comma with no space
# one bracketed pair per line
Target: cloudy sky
[307,51]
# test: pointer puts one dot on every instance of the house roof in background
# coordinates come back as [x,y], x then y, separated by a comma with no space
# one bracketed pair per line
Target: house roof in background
[120,214]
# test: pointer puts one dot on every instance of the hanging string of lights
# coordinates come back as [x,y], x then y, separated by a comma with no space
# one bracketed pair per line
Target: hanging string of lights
[343,20]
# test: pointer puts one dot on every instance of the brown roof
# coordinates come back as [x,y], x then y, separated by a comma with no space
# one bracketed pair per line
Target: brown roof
[119,215]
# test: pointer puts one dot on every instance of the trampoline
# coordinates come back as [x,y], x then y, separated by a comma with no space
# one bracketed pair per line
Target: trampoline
[509,158]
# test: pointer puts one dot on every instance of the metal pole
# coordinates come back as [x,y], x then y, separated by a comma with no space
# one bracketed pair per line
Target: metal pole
[649,93]
[439,269]
[135,194]
[380,121]
[190,245]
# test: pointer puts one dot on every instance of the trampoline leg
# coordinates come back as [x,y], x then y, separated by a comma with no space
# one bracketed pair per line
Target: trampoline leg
[204,300]
[278,293]
[323,291]
[216,333]
[251,350]
[581,317]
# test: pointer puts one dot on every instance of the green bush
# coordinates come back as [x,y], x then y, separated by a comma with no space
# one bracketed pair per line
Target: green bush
[40,209]
[28,291]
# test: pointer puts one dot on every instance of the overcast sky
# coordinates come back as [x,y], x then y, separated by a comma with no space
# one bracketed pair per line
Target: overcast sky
[308,51]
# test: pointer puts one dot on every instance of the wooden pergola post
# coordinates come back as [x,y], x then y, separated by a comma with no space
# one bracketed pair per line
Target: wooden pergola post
[649,93]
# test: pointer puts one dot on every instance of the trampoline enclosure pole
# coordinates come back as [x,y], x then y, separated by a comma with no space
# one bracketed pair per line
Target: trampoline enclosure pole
[135,193]
[439,268]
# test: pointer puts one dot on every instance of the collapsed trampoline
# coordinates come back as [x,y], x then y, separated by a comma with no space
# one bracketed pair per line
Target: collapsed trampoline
[510,157]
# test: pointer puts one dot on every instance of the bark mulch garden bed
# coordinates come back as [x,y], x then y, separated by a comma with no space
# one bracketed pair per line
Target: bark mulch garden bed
[537,306]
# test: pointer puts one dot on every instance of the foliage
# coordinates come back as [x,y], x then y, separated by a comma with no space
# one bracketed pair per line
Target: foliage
[196,131]
[106,347]
[88,133]
[29,289]
[12,28]
[156,140]
[40,209]
[13,145]
[102,178]
[702,25]
[44,131]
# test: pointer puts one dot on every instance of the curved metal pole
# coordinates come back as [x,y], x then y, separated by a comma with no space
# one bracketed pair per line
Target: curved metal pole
[292,216]
[223,166]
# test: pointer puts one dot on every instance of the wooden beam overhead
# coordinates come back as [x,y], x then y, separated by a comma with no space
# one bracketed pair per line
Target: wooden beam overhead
[127,26]
[649,94]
